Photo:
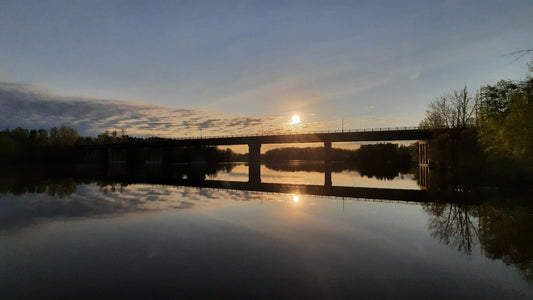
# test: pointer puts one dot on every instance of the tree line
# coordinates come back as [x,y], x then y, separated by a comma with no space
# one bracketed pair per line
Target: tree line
[487,134]
[383,161]
[22,145]
[384,152]
[60,145]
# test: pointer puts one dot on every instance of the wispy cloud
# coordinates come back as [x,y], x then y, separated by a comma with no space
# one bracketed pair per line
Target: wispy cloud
[29,106]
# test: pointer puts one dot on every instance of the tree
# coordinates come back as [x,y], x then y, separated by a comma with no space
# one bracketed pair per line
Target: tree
[506,119]
[455,110]
[63,136]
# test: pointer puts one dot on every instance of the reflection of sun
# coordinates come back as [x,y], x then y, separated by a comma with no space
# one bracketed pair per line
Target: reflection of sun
[296,198]
[295,119]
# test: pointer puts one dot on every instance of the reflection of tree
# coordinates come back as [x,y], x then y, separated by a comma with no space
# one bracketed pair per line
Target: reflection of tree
[380,170]
[22,181]
[454,225]
[305,166]
[62,188]
[506,233]
[502,229]
[383,170]
[106,187]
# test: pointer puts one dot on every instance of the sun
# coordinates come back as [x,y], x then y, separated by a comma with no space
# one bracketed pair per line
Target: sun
[295,119]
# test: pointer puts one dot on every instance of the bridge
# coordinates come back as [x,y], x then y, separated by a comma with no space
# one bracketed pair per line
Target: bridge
[153,153]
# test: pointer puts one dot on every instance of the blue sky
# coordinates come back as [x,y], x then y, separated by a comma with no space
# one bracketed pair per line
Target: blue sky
[371,63]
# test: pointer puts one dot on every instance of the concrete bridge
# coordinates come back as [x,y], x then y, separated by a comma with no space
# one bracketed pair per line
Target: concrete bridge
[117,151]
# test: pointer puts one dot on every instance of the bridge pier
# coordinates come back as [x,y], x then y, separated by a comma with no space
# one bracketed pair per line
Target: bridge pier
[327,163]
[153,155]
[116,155]
[89,156]
[254,163]
[423,164]
[423,153]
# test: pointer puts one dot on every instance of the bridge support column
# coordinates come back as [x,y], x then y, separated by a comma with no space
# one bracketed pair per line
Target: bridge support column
[254,163]
[423,164]
[153,155]
[423,153]
[89,156]
[116,155]
[327,163]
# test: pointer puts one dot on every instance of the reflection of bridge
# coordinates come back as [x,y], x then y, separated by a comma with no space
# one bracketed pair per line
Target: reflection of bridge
[153,153]
[296,189]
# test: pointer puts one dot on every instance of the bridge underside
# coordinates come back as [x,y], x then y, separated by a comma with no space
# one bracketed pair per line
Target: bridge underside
[254,144]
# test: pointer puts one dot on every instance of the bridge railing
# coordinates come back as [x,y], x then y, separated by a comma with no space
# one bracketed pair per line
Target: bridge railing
[297,132]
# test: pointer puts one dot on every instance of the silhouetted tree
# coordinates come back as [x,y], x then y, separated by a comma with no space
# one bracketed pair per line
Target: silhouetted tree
[456,110]
[63,136]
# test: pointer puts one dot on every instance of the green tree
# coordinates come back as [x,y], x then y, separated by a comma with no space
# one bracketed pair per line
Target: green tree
[506,120]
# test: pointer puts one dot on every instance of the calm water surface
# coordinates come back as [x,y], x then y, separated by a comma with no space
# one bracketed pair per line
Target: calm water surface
[75,239]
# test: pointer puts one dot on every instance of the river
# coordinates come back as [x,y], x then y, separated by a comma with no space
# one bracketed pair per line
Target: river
[98,237]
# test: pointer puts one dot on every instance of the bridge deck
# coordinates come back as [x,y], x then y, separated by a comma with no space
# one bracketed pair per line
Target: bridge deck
[399,134]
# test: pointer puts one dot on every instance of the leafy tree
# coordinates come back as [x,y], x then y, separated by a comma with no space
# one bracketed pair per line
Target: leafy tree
[63,136]
[506,120]
[7,145]
[108,137]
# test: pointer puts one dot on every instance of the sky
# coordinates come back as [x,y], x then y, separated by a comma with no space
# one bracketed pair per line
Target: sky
[210,68]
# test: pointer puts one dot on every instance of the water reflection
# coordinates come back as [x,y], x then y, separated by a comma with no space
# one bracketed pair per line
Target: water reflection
[378,171]
[498,226]
[77,198]
[455,225]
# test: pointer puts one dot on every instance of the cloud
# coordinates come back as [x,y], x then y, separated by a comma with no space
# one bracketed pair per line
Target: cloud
[27,105]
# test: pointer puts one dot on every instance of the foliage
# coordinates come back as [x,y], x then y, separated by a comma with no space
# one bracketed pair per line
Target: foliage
[501,144]
[501,225]
[383,161]
[63,136]
[307,153]
[59,145]
[112,137]
[21,145]
[506,120]
[506,233]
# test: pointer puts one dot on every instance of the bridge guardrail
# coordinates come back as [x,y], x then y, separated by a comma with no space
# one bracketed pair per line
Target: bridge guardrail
[300,132]
[166,140]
